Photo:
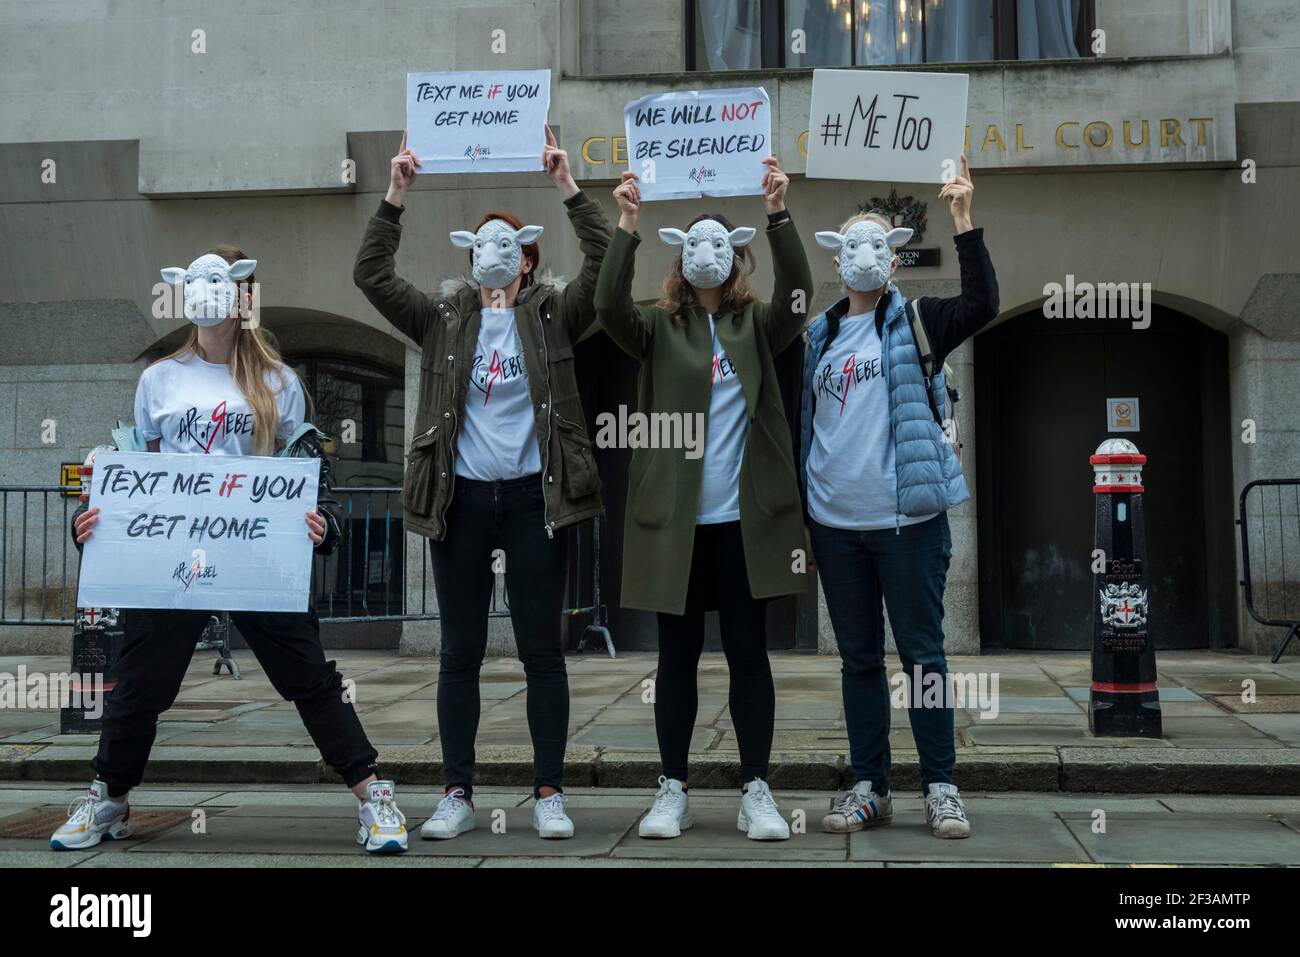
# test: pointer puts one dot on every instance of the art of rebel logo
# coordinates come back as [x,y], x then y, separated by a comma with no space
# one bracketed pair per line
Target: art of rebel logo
[197,571]
[205,430]
[854,373]
[489,372]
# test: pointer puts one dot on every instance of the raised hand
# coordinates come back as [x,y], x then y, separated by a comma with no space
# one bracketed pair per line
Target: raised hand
[957,192]
[628,196]
[555,162]
[84,524]
[315,527]
[402,171]
[775,183]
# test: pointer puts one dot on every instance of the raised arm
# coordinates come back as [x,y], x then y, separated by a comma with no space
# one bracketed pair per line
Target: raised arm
[375,271]
[784,317]
[950,322]
[626,322]
[577,302]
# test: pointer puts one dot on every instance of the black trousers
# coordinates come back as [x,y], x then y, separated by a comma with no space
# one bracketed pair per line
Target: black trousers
[718,580]
[490,525]
[157,648]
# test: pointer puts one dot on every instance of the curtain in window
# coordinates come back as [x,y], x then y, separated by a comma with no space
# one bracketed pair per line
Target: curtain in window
[959,31]
[1046,28]
[889,32]
[728,35]
[827,33]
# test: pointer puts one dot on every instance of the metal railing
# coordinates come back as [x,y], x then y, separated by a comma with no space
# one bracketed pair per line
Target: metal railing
[1269,518]
[363,580]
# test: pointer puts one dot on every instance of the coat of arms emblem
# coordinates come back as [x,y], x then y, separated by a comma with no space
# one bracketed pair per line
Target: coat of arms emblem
[1124,605]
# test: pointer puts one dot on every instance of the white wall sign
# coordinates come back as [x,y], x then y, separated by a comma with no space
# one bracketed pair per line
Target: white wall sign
[699,142]
[479,122]
[224,533]
[886,126]
[1122,415]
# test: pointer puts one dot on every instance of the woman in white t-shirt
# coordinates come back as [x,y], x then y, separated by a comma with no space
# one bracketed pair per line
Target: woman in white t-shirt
[716,527]
[226,391]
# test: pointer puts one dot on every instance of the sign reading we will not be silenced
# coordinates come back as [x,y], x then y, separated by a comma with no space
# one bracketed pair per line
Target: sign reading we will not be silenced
[478,122]
[224,533]
[699,142]
[887,126]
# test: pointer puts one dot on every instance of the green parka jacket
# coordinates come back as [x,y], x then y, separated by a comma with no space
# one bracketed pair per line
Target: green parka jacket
[676,364]
[550,319]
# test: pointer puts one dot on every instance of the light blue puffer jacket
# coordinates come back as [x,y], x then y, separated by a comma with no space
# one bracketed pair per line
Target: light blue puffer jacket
[929,477]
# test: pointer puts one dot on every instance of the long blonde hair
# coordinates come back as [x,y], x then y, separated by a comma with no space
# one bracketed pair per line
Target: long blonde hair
[253,357]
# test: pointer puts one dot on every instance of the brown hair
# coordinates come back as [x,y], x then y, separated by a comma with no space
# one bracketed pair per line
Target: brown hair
[532,252]
[679,296]
[253,356]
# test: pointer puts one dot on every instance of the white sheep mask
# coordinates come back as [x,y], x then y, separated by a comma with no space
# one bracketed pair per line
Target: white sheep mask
[211,286]
[866,251]
[708,250]
[497,251]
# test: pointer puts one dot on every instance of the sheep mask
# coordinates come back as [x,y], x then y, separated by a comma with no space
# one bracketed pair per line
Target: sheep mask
[211,286]
[498,252]
[708,250]
[866,251]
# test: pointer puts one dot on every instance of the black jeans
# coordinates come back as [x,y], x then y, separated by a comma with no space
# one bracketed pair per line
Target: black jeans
[718,580]
[157,648]
[907,569]
[490,524]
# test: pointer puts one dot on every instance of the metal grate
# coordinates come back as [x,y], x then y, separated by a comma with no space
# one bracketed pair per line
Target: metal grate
[44,822]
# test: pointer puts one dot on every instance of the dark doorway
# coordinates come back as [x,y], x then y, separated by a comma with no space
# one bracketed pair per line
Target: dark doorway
[1041,390]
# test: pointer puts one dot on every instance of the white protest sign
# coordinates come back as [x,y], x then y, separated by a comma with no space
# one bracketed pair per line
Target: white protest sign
[699,142]
[888,126]
[490,121]
[218,532]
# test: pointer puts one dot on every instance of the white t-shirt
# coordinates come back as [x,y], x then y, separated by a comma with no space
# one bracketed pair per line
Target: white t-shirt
[196,407]
[498,438]
[724,442]
[851,479]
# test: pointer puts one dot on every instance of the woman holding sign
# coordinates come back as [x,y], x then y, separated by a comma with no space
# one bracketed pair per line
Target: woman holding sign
[499,463]
[225,392]
[880,475]
[723,530]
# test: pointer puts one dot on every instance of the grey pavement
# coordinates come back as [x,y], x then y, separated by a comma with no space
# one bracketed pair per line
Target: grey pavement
[1231,721]
[313,826]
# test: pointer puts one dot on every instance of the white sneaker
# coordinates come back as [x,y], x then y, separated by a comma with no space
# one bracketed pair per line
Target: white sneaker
[670,814]
[859,808]
[549,817]
[454,815]
[381,826]
[759,816]
[946,812]
[91,819]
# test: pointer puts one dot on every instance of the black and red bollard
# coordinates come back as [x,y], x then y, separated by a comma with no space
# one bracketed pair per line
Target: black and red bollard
[1123,701]
[97,637]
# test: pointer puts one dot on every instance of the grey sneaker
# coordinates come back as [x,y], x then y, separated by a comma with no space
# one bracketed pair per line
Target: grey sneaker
[946,812]
[91,819]
[859,808]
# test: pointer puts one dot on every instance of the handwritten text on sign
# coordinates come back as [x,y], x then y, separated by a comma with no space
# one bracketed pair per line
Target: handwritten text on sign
[224,533]
[886,126]
[479,122]
[699,143]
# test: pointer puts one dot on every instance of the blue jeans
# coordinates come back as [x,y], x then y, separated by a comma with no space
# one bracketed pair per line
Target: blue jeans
[907,568]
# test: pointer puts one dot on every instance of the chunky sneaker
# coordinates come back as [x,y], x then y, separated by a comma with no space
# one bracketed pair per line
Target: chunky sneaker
[549,817]
[454,815]
[946,812]
[381,826]
[861,807]
[91,819]
[670,814]
[759,816]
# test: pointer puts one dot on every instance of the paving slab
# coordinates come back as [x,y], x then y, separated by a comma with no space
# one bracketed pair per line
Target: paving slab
[1187,839]
[1284,727]
[1031,836]
[1185,770]
[715,836]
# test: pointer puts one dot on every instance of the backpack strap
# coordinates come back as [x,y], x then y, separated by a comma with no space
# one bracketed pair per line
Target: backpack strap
[305,429]
[129,438]
[922,340]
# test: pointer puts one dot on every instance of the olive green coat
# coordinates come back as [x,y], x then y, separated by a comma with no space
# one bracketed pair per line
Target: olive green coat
[549,320]
[676,367]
